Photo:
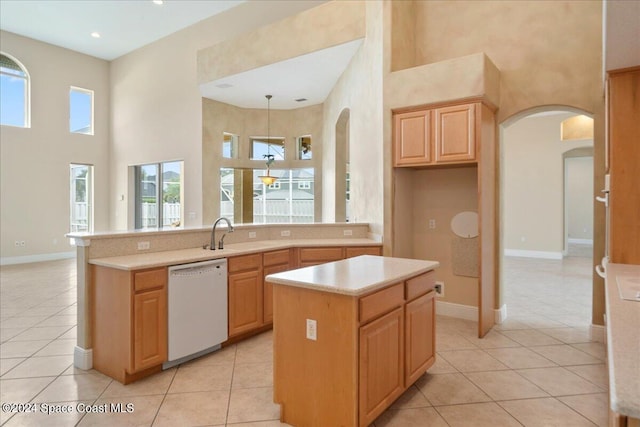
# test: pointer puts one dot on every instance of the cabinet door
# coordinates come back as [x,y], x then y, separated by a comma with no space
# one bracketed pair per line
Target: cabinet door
[245,301]
[314,256]
[455,129]
[267,315]
[150,329]
[381,364]
[419,336]
[412,138]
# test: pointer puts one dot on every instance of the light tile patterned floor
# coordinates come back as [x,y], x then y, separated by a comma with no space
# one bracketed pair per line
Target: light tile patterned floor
[536,369]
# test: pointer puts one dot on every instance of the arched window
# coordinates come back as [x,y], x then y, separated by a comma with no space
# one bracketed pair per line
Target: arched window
[14,93]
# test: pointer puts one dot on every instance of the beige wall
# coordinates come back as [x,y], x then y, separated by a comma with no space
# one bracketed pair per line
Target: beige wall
[535,45]
[533,184]
[360,90]
[35,161]
[219,117]
[157,108]
[529,43]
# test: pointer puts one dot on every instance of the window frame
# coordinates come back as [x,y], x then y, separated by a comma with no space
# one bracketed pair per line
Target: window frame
[91,93]
[89,188]
[159,190]
[27,91]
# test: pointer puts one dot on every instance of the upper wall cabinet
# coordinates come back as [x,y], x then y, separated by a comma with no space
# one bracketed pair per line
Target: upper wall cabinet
[436,136]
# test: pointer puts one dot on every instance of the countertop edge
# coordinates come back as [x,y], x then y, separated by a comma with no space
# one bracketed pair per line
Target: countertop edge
[185,256]
[621,403]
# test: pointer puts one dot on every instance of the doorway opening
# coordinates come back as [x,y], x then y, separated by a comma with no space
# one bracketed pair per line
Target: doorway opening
[546,193]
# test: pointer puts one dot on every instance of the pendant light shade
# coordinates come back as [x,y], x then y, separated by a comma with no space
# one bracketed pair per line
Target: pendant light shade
[268,179]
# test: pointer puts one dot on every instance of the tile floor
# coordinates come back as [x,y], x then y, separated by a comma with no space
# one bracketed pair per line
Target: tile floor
[536,369]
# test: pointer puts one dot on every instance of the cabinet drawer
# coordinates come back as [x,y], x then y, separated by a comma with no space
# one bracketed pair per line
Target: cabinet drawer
[245,262]
[380,302]
[320,254]
[150,279]
[420,285]
[276,257]
[364,250]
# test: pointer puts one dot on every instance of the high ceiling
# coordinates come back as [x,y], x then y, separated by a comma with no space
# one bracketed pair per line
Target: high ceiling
[123,25]
[126,25]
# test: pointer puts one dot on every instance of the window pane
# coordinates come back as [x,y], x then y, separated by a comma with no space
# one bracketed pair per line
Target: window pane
[226,192]
[260,147]
[81,198]
[304,147]
[147,194]
[13,95]
[81,111]
[230,146]
[289,199]
[171,194]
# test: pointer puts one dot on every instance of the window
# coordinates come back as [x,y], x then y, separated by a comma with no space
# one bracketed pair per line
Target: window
[159,195]
[304,147]
[229,146]
[81,186]
[14,93]
[289,199]
[81,111]
[260,147]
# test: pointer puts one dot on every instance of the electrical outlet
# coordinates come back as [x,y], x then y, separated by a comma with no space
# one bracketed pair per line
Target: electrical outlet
[440,289]
[312,330]
[348,232]
[143,246]
[23,243]
[285,233]
[252,234]
[432,224]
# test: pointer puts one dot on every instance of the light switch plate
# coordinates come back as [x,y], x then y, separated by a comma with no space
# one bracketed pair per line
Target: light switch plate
[285,233]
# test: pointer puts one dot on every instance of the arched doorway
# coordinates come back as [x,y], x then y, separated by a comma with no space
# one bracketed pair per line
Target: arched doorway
[540,284]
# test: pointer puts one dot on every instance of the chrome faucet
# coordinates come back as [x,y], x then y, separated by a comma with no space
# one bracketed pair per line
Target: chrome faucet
[213,234]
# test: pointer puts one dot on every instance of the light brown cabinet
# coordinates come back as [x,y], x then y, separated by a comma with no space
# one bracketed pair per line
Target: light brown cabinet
[369,350]
[436,136]
[274,262]
[624,169]
[245,293]
[381,372]
[129,321]
[319,255]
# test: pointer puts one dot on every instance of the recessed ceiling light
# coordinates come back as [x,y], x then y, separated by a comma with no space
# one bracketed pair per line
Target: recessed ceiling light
[95,35]
[158,1]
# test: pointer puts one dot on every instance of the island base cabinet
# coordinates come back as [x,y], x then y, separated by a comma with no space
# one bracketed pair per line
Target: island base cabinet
[381,365]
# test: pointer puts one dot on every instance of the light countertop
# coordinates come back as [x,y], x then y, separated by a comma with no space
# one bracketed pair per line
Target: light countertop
[184,256]
[623,342]
[354,276]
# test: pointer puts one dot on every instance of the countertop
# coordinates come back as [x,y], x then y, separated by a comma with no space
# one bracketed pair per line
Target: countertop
[623,343]
[354,276]
[184,256]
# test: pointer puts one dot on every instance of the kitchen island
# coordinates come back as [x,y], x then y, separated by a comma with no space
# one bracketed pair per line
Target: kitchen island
[350,337]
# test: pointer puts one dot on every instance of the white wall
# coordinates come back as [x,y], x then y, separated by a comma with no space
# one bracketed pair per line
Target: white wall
[534,184]
[579,202]
[35,161]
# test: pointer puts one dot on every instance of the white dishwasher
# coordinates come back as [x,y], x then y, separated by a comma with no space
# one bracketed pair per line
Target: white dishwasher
[197,307]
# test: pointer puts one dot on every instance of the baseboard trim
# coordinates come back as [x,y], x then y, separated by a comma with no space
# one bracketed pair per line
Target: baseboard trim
[457,310]
[501,314]
[581,241]
[598,333]
[83,358]
[533,254]
[10,260]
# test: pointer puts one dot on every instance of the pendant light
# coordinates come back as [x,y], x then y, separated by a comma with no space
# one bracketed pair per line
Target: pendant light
[268,179]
